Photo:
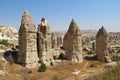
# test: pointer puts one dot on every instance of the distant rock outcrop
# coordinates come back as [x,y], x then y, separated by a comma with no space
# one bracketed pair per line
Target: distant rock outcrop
[28,42]
[9,33]
[101,44]
[72,43]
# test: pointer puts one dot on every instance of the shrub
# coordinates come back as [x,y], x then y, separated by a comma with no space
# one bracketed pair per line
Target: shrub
[42,68]
[4,42]
[91,52]
[51,63]
[29,71]
[61,56]
[92,65]
[115,58]
[13,48]
[56,78]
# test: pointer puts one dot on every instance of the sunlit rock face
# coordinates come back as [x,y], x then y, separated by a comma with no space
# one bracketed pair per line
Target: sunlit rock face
[28,42]
[44,42]
[101,44]
[72,43]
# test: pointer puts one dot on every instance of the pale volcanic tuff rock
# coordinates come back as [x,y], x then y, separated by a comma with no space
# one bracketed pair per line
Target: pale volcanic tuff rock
[27,42]
[59,41]
[101,44]
[9,33]
[44,42]
[54,41]
[72,43]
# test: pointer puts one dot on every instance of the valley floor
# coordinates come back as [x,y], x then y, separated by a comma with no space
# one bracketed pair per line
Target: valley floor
[64,70]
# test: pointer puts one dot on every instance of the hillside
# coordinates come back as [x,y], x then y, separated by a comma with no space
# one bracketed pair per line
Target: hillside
[9,33]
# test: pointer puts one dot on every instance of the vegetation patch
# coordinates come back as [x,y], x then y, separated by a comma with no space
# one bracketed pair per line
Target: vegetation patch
[92,65]
[112,74]
[42,68]
[55,77]
[91,52]
[5,42]
[115,58]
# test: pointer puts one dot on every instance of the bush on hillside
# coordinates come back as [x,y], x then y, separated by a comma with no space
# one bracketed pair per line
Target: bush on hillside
[56,78]
[91,52]
[4,42]
[42,68]
[115,58]
[61,56]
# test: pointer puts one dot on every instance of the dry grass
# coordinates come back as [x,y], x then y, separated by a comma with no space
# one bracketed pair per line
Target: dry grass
[63,70]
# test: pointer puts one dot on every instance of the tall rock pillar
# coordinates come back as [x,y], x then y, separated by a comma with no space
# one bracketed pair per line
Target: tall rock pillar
[44,42]
[101,44]
[72,43]
[27,42]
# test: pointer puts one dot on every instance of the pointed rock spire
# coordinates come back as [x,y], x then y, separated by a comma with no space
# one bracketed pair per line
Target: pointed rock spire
[44,42]
[26,13]
[27,19]
[44,26]
[102,31]
[72,43]
[101,44]
[27,42]
[73,28]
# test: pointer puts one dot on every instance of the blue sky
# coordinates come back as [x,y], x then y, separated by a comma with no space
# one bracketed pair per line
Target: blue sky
[89,14]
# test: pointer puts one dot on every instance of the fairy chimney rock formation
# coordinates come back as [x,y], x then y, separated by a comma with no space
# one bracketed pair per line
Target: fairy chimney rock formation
[72,43]
[54,41]
[101,44]
[27,42]
[44,42]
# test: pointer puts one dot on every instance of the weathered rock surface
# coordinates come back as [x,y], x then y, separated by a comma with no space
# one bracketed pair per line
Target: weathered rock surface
[110,65]
[9,33]
[2,73]
[72,43]
[101,44]
[27,42]
[54,41]
[44,42]
[108,59]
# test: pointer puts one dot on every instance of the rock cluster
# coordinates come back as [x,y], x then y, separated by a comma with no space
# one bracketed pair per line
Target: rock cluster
[41,45]
[72,43]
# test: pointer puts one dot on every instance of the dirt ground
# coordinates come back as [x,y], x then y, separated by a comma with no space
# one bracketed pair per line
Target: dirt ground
[63,70]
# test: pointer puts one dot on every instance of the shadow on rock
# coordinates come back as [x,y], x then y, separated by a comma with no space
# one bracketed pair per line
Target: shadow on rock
[91,57]
[11,56]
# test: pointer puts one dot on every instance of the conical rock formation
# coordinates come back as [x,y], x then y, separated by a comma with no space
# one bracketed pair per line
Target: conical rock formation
[27,42]
[72,43]
[101,44]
